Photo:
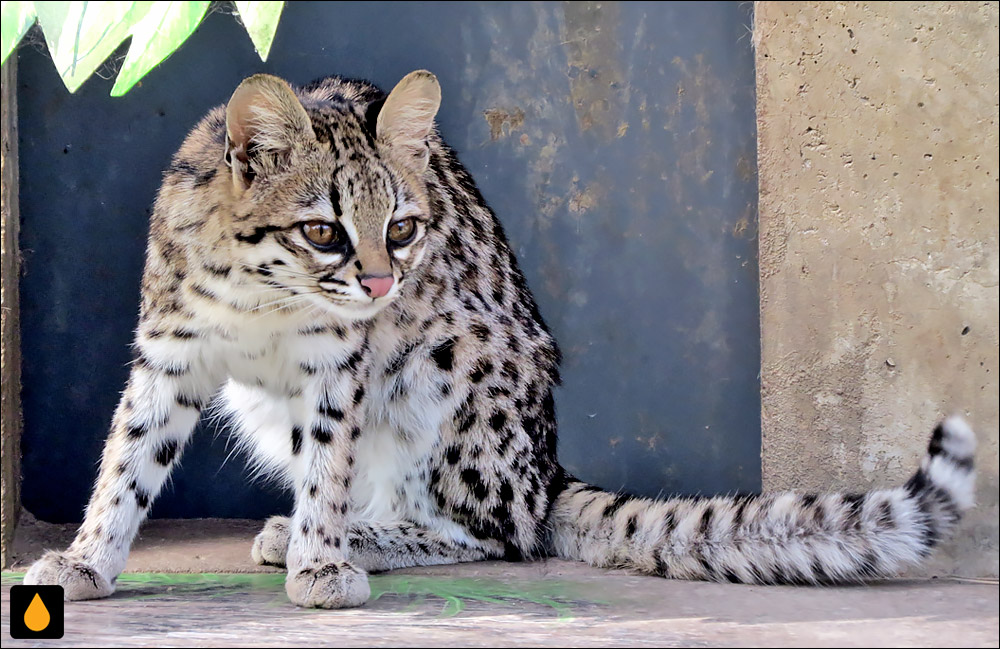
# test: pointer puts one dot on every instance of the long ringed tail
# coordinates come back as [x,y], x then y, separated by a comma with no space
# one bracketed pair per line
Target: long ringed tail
[774,538]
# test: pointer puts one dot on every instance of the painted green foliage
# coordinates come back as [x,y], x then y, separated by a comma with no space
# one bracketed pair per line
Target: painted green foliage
[81,35]
[261,21]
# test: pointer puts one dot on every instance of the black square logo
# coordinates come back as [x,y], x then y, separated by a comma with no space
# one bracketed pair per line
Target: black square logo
[36,612]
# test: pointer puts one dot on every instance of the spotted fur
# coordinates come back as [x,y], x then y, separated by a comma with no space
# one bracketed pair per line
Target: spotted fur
[417,427]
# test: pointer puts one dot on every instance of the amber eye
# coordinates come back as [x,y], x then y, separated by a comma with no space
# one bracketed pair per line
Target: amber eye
[324,236]
[402,231]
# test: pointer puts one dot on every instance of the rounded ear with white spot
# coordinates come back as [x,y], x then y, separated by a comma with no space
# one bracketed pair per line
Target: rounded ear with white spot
[264,121]
[407,117]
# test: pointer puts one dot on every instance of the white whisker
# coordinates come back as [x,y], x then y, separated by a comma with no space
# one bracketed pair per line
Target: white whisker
[280,304]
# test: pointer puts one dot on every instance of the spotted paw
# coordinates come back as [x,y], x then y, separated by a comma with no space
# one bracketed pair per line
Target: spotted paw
[79,580]
[271,544]
[334,585]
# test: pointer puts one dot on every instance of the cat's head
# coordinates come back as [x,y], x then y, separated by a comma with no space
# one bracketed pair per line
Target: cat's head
[330,198]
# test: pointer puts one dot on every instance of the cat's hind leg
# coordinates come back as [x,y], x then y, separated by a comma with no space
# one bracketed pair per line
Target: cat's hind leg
[378,547]
[271,544]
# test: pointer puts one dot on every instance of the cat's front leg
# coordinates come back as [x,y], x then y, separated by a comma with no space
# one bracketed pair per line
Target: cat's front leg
[319,574]
[158,410]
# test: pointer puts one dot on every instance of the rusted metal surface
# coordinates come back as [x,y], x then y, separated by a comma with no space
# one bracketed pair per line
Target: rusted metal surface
[615,141]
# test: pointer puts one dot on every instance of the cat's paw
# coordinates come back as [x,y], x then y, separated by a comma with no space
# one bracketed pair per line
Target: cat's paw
[271,544]
[79,580]
[334,585]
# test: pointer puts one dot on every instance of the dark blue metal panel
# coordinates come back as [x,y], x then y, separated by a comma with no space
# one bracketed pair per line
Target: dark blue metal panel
[615,141]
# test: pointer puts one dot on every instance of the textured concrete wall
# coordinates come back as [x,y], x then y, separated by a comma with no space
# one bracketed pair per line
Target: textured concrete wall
[877,127]
[10,340]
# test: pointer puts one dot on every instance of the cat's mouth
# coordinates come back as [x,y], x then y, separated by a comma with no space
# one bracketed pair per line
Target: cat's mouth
[358,308]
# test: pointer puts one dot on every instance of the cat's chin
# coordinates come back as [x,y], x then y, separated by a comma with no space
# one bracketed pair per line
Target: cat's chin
[357,312]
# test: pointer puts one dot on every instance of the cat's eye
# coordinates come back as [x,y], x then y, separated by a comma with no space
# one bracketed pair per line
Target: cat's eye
[401,232]
[324,236]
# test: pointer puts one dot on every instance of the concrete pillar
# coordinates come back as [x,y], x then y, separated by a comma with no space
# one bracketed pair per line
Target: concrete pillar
[877,155]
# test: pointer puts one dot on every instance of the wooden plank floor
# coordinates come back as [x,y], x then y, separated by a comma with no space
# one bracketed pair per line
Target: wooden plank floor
[191,584]
[552,604]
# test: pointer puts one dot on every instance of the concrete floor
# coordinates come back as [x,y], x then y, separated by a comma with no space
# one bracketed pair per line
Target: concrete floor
[552,603]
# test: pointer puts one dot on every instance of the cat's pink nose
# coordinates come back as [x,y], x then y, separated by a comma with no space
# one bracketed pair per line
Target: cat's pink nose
[376,286]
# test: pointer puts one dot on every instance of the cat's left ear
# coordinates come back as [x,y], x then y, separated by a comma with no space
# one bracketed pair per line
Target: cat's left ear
[407,117]
[264,121]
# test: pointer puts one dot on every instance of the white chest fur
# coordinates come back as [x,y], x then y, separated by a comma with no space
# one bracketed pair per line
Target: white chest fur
[399,434]
[402,427]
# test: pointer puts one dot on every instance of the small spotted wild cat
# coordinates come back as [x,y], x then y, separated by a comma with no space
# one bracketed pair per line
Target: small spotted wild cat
[321,255]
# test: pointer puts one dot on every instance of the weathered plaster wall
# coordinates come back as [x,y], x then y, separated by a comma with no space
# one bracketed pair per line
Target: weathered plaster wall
[878,159]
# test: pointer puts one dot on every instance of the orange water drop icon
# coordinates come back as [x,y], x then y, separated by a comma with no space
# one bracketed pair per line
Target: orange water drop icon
[37,616]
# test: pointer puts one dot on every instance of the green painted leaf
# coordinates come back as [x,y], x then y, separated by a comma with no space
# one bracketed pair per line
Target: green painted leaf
[81,35]
[16,18]
[155,37]
[261,21]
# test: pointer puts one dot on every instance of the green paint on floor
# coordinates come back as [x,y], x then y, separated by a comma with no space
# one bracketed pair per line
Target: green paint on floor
[558,596]
[558,604]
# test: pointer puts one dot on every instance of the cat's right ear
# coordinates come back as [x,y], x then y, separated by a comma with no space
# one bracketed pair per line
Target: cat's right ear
[264,120]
